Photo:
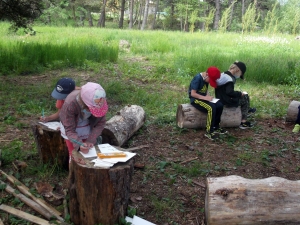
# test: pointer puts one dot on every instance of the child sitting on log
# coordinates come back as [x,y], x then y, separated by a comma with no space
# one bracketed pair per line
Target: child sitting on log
[83,117]
[201,100]
[62,89]
[297,125]
[229,97]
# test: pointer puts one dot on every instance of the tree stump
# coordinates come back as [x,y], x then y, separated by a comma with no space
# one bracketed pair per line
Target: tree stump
[236,200]
[189,117]
[51,145]
[98,196]
[292,111]
[123,125]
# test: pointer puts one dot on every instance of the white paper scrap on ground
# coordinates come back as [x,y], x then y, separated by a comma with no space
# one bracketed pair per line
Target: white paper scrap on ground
[138,221]
[214,100]
[92,153]
[51,125]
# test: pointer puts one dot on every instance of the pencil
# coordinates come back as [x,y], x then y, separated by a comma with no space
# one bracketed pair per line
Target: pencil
[43,113]
[77,142]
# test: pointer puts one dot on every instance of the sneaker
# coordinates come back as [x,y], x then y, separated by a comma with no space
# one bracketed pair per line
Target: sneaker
[211,136]
[296,128]
[246,125]
[251,111]
[220,131]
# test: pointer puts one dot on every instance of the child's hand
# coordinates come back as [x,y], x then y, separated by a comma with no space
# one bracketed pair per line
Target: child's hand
[43,119]
[86,147]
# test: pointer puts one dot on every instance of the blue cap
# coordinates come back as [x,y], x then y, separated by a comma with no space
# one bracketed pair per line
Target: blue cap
[63,87]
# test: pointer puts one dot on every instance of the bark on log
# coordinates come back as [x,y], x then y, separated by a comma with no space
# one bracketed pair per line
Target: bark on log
[51,145]
[123,125]
[236,200]
[189,117]
[98,196]
[292,111]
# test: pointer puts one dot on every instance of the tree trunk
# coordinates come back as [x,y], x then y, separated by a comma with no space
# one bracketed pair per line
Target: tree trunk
[145,17]
[101,22]
[123,125]
[73,12]
[155,14]
[90,18]
[189,117]
[292,111]
[50,145]
[236,200]
[131,14]
[217,14]
[122,14]
[97,195]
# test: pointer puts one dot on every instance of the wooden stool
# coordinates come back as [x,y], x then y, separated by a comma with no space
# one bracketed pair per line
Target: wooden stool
[51,145]
[98,195]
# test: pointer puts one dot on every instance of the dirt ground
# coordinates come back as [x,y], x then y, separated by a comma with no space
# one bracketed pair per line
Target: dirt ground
[164,192]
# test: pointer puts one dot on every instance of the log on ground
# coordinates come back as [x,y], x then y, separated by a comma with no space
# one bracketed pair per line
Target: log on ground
[51,145]
[189,117]
[123,125]
[236,200]
[292,111]
[98,195]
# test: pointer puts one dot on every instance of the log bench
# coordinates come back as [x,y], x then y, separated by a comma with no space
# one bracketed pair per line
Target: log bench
[98,195]
[236,200]
[292,111]
[52,147]
[188,116]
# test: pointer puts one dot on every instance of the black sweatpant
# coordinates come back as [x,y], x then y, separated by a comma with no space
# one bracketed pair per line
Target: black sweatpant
[213,110]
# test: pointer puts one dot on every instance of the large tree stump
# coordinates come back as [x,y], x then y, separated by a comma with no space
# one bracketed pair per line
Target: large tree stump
[236,200]
[292,111]
[123,125]
[189,117]
[98,196]
[50,145]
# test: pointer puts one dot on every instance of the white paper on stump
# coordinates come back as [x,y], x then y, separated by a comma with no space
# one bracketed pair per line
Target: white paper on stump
[51,125]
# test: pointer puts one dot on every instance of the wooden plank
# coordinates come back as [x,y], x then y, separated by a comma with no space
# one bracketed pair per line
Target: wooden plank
[23,215]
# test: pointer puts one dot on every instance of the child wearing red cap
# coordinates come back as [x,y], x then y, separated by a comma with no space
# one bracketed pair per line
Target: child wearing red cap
[83,117]
[229,97]
[200,99]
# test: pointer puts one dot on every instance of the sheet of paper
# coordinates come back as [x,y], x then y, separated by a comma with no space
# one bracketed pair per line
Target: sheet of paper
[106,148]
[92,153]
[99,163]
[51,125]
[245,93]
[139,221]
[214,100]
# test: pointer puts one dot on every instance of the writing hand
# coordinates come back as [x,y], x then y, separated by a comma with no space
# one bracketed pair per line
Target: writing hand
[43,119]
[86,147]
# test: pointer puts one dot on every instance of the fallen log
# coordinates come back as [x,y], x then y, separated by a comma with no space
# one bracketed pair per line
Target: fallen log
[25,190]
[236,200]
[123,125]
[292,111]
[98,195]
[188,116]
[24,215]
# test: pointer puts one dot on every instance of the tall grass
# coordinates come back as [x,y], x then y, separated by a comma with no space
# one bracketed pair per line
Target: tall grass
[269,59]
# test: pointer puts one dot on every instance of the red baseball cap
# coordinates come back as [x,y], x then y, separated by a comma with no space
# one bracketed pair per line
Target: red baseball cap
[214,74]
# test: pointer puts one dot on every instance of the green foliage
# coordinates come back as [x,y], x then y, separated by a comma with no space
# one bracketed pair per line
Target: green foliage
[225,20]
[250,18]
[12,151]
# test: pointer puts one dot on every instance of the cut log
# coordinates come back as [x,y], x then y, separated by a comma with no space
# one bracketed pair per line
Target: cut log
[51,145]
[123,125]
[98,195]
[292,111]
[189,117]
[236,200]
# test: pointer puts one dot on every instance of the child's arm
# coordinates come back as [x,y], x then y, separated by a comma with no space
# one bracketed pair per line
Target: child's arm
[52,117]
